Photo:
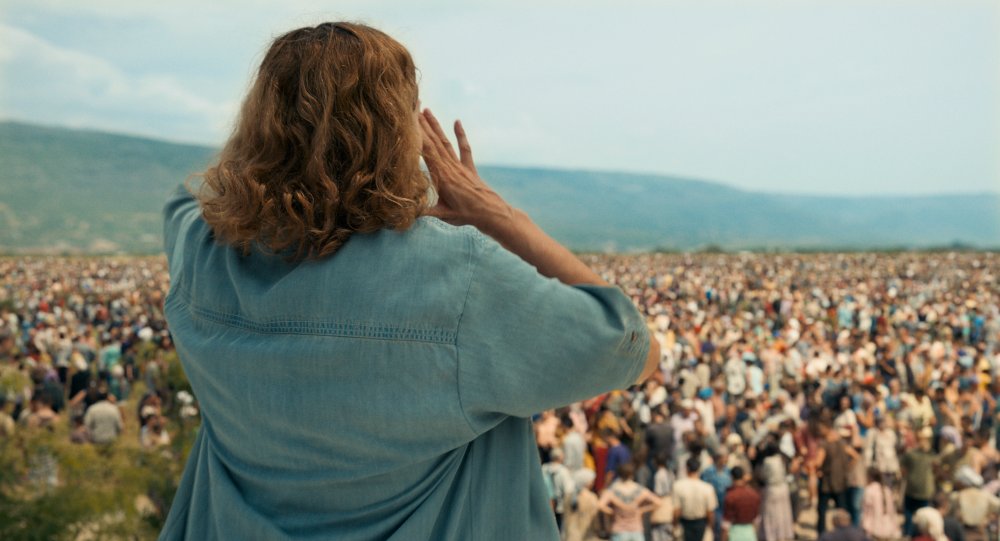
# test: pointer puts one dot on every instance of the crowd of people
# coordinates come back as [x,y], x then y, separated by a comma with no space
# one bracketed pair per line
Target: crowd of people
[847,396]
[76,335]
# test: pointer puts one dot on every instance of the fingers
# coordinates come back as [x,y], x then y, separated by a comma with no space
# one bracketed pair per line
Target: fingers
[428,142]
[441,136]
[464,148]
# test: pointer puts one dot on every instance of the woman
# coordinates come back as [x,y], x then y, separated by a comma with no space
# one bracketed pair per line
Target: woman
[365,368]
[880,448]
[777,522]
[627,501]
[879,518]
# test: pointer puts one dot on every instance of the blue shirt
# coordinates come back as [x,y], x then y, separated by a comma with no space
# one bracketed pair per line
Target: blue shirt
[383,392]
[720,480]
[617,455]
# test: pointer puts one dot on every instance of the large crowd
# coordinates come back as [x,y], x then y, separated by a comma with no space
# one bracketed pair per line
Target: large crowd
[81,333]
[848,396]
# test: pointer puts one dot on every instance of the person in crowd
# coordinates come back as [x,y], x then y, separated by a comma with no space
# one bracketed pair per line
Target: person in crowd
[618,455]
[574,444]
[662,518]
[843,528]
[154,433]
[741,507]
[719,476]
[777,521]
[881,442]
[857,476]
[879,517]
[578,522]
[835,457]
[928,525]
[103,419]
[951,526]
[659,437]
[79,434]
[626,501]
[918,466]
[40,414]
[974,507]
[563,485]
[694,502]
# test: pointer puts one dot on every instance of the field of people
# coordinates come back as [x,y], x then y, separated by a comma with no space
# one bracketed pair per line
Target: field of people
[854,387]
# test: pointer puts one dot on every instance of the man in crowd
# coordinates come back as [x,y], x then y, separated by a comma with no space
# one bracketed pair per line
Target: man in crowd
[694,502]
[103,419]
[741,507]
[718,475]
[918,467]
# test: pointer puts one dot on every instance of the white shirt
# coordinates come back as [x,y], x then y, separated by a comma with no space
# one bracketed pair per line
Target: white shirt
[694,497]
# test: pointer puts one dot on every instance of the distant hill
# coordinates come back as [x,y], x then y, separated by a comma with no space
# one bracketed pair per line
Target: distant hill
[75,191]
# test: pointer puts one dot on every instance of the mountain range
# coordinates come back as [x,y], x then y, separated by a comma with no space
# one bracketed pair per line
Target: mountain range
[78,191]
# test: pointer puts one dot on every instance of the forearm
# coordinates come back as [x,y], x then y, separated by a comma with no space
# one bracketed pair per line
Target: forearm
[519,234]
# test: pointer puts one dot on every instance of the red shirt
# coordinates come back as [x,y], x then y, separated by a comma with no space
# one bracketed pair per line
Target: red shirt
[742,505]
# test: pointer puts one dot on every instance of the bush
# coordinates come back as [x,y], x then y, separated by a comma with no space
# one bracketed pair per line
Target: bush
[120,491]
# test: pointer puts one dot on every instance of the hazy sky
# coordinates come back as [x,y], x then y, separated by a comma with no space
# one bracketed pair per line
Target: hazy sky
[835,97]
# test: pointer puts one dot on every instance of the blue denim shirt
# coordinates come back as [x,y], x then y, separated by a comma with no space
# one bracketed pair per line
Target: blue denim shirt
[383,392]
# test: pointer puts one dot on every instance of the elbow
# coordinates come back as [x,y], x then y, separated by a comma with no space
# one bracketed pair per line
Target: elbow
[652,361]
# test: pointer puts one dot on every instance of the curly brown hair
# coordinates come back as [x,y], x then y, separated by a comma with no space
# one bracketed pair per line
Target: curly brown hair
[326,145]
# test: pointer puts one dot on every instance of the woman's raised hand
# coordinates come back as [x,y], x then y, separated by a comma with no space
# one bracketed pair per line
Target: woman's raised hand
[464,198]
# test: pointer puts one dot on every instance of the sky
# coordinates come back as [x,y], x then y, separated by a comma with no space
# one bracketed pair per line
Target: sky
[839,97]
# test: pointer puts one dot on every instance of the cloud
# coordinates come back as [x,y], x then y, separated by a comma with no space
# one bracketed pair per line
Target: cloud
[52,83]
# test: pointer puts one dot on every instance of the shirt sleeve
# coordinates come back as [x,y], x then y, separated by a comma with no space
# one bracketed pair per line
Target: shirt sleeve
[180,211]
[527,343]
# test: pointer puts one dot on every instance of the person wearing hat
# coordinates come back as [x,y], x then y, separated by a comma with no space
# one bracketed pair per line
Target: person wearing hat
[918,471]
[973,505]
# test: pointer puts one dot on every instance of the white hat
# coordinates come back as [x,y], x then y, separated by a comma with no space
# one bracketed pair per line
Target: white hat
[968,477]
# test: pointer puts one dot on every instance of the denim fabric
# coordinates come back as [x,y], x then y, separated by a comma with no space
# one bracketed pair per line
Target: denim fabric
[383,392]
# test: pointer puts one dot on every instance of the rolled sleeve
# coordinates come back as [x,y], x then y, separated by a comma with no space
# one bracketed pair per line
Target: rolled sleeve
[527,343]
